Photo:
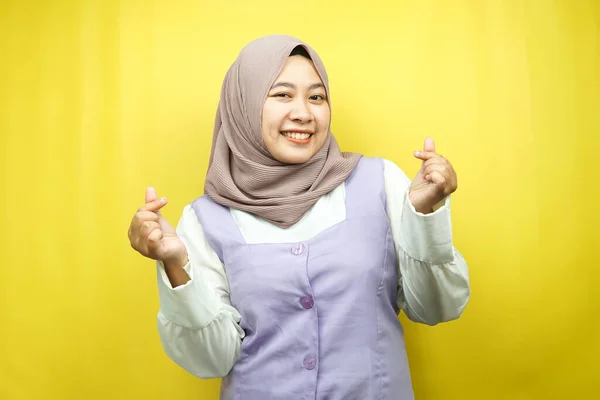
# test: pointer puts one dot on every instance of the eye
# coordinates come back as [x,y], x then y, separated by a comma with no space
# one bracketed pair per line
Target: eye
[284,95]
[317,97]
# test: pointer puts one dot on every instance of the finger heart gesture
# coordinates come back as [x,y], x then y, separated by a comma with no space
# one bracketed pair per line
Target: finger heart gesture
[435,180]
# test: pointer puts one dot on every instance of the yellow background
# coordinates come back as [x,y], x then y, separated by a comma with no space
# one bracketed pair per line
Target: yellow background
[99,99]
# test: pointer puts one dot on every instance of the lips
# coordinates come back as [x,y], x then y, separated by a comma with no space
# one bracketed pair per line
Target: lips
[297,137]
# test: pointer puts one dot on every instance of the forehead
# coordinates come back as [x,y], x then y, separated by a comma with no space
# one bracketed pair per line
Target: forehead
[299,69]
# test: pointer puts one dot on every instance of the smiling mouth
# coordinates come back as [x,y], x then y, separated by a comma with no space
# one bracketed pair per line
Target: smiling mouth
[297,137]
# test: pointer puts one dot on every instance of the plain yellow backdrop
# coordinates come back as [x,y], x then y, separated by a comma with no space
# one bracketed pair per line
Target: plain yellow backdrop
[99,99]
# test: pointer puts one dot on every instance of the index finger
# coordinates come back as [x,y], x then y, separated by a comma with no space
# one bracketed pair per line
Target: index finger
[426,155]
[154,205]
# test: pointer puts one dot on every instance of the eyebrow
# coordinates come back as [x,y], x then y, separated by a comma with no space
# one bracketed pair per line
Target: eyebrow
[292,86]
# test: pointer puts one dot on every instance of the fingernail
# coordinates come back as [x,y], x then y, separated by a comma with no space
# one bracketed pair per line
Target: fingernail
[417,153]
[163,199]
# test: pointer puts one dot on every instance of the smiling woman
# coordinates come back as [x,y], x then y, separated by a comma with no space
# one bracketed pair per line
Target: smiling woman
[100,98]
[260,281]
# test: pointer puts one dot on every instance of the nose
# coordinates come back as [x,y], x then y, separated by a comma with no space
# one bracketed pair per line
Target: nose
[300,112]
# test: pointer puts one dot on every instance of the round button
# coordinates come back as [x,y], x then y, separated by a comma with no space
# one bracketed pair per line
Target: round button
[298,249]
[309,362]
[307,302]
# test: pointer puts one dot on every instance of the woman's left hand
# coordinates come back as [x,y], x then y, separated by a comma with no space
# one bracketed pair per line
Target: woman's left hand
[435,180]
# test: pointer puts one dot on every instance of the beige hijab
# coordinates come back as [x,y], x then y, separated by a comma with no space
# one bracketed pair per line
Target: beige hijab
[242,174]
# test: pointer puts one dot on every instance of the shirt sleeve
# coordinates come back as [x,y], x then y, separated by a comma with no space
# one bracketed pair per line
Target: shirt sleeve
[433,277]
[198,327]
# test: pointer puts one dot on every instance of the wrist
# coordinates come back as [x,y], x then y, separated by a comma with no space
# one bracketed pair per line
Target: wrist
[420,208]
[424,210]
[176,262]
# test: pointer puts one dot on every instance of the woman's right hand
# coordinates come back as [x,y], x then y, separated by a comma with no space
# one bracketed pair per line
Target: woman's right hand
[152,236]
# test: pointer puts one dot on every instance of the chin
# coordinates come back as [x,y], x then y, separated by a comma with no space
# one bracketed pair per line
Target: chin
[294,159]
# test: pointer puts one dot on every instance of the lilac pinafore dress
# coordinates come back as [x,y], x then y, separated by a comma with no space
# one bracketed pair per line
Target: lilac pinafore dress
[321,315]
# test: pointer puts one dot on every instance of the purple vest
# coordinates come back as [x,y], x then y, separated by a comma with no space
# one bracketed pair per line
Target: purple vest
[320,316]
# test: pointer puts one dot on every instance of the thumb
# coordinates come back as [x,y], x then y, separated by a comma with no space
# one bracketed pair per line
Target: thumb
[429,146]
[151,194]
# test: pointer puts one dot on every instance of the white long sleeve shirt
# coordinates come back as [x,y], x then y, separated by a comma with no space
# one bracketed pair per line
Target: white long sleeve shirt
[199,328]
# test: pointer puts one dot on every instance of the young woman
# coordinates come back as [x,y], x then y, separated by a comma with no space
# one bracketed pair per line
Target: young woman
[287,277]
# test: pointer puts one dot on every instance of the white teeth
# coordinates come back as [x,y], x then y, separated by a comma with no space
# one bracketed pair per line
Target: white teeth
[295,135]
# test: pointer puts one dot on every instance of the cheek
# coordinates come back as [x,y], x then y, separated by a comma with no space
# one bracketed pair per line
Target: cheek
[267,128]
[323,119]
[271,121]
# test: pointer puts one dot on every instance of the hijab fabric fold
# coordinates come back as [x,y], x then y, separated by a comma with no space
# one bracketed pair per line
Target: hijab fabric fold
[242,174]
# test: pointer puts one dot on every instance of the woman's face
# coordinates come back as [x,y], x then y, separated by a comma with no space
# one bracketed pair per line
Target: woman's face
[296,114]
